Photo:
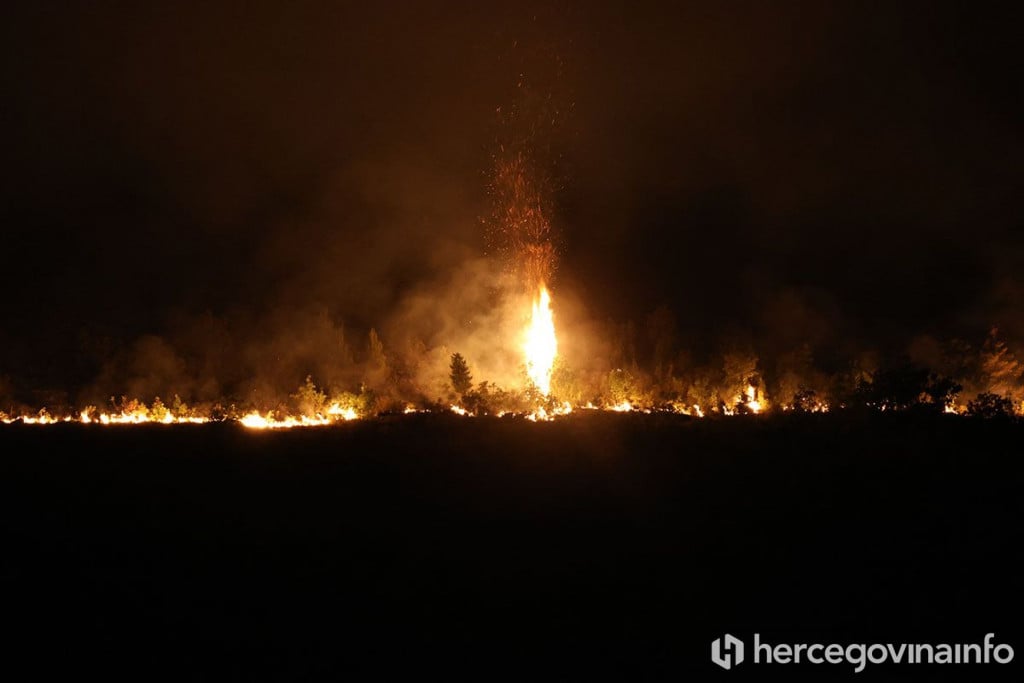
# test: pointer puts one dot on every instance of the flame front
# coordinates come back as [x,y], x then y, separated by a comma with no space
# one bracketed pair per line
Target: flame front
[541,346]
[752,401]
[335,412]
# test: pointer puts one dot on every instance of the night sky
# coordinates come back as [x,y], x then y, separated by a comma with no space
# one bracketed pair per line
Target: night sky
[848,175]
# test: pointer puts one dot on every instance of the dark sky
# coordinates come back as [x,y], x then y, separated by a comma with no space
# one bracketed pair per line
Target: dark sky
[789,170]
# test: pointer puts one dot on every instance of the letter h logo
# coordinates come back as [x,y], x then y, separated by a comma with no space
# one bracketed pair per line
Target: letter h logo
[727,651]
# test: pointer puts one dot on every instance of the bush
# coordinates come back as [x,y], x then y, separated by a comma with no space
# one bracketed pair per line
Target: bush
[806,401]
[310,400]
[989,406]
[158,411]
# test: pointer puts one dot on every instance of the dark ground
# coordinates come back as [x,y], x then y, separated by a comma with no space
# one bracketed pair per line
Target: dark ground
[597,546]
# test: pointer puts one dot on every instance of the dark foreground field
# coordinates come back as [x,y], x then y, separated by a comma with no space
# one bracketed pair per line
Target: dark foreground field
[598,546]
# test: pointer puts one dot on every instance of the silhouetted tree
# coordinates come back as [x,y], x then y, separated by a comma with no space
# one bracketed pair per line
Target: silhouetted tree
[462,380]
[906,386]
[988,405]
[805,400]
[941,391]
[895,388]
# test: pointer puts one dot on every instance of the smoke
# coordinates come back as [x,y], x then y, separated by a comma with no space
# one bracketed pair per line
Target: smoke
[236,202]
[476,310]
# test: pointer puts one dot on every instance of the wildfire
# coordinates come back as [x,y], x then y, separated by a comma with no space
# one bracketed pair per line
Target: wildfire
[134,416]
[140,417]
[752,401]
[541,345]
[256,421]
[335,412]
[627,407]
[543,415]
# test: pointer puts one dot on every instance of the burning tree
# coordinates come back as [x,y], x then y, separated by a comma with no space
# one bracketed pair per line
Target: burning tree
[742,390]
[462,380]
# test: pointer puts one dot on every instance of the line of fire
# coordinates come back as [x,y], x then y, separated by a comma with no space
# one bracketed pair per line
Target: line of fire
[518,368]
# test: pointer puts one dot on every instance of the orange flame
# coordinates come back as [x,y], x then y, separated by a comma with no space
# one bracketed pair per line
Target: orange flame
[541,345]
